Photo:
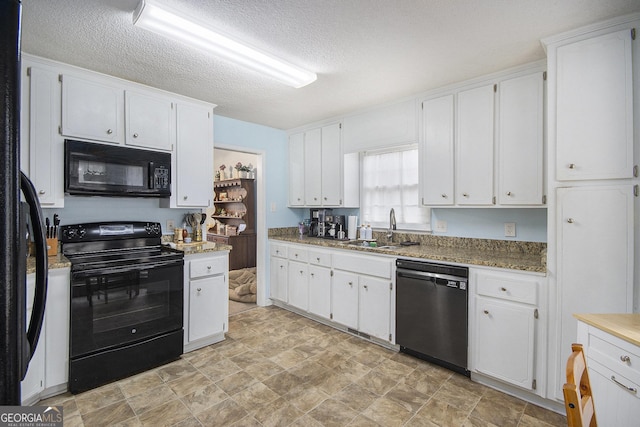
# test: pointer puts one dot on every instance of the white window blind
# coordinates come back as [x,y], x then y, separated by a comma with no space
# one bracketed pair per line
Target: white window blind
[390,180]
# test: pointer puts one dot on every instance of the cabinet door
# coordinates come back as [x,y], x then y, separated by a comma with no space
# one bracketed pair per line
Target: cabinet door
[207,300]
[615,404]
[474,143]
[520,139]
[344,298]
[505,341]
[595,108]
[436,151]
[150,121]
[313,167]
[56,340]
[375,307]
[193,182]
[279,277]
[298,285]
[92,110]
[33,382]
[331,165]
[320,291]
[595,257]
[296,170]
[46,147]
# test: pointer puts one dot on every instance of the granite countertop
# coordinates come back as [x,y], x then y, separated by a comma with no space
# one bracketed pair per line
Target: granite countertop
[524,256]
[623,326]
[202,247]
[55,261]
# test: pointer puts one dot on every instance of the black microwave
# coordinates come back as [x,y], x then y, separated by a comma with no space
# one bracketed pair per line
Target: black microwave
[105,170]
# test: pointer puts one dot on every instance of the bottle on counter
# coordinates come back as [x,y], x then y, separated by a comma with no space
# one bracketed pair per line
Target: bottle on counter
[363,232]
[369,232]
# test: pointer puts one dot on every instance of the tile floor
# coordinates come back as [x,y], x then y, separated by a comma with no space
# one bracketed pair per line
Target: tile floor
[279,369]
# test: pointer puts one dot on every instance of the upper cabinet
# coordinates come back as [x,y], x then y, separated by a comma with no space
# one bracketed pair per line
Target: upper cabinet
[319,173]
[594,101]
[520,140]
[92,109]
[150,121]
[474,144]
[388,125]
[484,146]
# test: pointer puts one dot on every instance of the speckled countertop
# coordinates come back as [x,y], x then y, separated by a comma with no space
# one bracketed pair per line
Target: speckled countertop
[525,256]
[56,261]
[202,247]
[624,326]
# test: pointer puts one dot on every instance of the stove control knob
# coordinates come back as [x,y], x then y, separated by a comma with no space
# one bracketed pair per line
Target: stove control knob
[70,232]
[81,232]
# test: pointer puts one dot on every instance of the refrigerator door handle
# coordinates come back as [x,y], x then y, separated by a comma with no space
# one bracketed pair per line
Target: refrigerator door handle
[40,294]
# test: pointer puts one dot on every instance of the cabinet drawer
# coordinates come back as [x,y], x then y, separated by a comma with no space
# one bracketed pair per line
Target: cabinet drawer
[278,250]
[508,287]
[370,265]
[207,267]
[298,254]
[322,258]
[618,355]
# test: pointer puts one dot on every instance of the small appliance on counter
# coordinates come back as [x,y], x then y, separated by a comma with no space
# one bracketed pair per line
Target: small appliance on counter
[323,223]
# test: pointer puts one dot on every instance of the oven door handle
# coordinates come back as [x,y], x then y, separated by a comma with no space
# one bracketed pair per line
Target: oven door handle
[126,269]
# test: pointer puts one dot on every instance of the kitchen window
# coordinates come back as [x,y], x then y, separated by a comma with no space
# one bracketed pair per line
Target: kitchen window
[390,180]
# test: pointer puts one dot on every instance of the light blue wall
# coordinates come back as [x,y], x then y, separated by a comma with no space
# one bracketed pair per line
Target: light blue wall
[531,224]
[231,133]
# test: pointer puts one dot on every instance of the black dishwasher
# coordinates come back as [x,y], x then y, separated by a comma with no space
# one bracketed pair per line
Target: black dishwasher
[431,312]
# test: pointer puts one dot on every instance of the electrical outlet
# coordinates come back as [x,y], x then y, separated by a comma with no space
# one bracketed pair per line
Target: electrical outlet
[171,225]
[273,206]
[441,226]
[509,229]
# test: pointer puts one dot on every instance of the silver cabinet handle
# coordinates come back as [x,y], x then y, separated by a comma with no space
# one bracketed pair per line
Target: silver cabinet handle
[208,267]
[318,259]
[570,220]
[486,311]
[199,289]
[444,196]
[508,193]
[41,192]
[135,135]
[325,198]
[365,286]
[629,389]
[185,198]
[465,195]
[625,358]
[109,131]
[301,272]
[296,255]
[281,267]
[503,289]
[313,275]
[572,165]
[350,283]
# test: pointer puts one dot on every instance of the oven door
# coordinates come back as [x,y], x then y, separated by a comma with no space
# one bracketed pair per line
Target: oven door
[119,306]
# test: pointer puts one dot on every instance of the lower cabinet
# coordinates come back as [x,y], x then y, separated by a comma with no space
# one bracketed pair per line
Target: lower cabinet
[320,291]
[298,285]
[614,374]
[375,307]
[344,298]
[48,370]
[206,304]
[504,326]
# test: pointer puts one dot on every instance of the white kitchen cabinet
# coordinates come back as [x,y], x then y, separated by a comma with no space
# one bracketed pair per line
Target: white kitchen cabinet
[520,140]
[313,167]
[614,374]
[150,121]
[298,285]
[331,164]
[374,307]
[344,298]
[436,151]
[92,109]
[504,319]
[474,146]
[42,142]
[594,102]
[595,257]
[56,338]
[206,304]
[385,126]
[278,274]
[320,282]
[192,164]
[296,170]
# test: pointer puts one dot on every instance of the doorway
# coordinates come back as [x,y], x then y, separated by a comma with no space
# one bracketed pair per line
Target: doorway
[234,221]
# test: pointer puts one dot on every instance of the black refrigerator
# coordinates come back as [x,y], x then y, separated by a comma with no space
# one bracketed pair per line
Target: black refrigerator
[21,221]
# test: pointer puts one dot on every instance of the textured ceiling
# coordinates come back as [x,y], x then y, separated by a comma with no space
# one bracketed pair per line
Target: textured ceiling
[365,52]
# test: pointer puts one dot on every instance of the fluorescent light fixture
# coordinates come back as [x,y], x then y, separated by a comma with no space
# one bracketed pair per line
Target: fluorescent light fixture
[169,23]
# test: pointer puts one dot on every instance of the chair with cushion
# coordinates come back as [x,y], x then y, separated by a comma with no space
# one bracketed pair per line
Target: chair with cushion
[578,400]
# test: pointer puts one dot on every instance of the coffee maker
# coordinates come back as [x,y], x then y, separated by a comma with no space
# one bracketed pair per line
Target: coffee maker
[320,222]
[340,226]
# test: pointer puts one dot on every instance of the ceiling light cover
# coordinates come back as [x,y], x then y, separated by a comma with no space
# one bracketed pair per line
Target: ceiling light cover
[170,23]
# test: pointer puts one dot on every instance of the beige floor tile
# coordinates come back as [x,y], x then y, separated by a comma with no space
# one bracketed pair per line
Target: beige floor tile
[355,397]
[288,359]
[386,412]
[222,414]
[256,397]
[235,382]
[305,397]
[306,421]
[204,398]
[167,414]
[140,383]
[263,370]
[408,397]
[440,413]
[175,370]
[393,369]
[131,422]
[308,370]
[247,421]
[72,420]
[152,398]
[248,358]
[333,413]
[98,398]
[377,383]
[423,382]
[189,422]
[282,383]
[497,413]
[189,383]
[330,382]
[109,415]
[457,396]
[280,413]
[545,415]
[219,370]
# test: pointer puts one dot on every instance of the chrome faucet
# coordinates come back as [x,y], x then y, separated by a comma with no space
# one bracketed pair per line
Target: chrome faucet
[392,224]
